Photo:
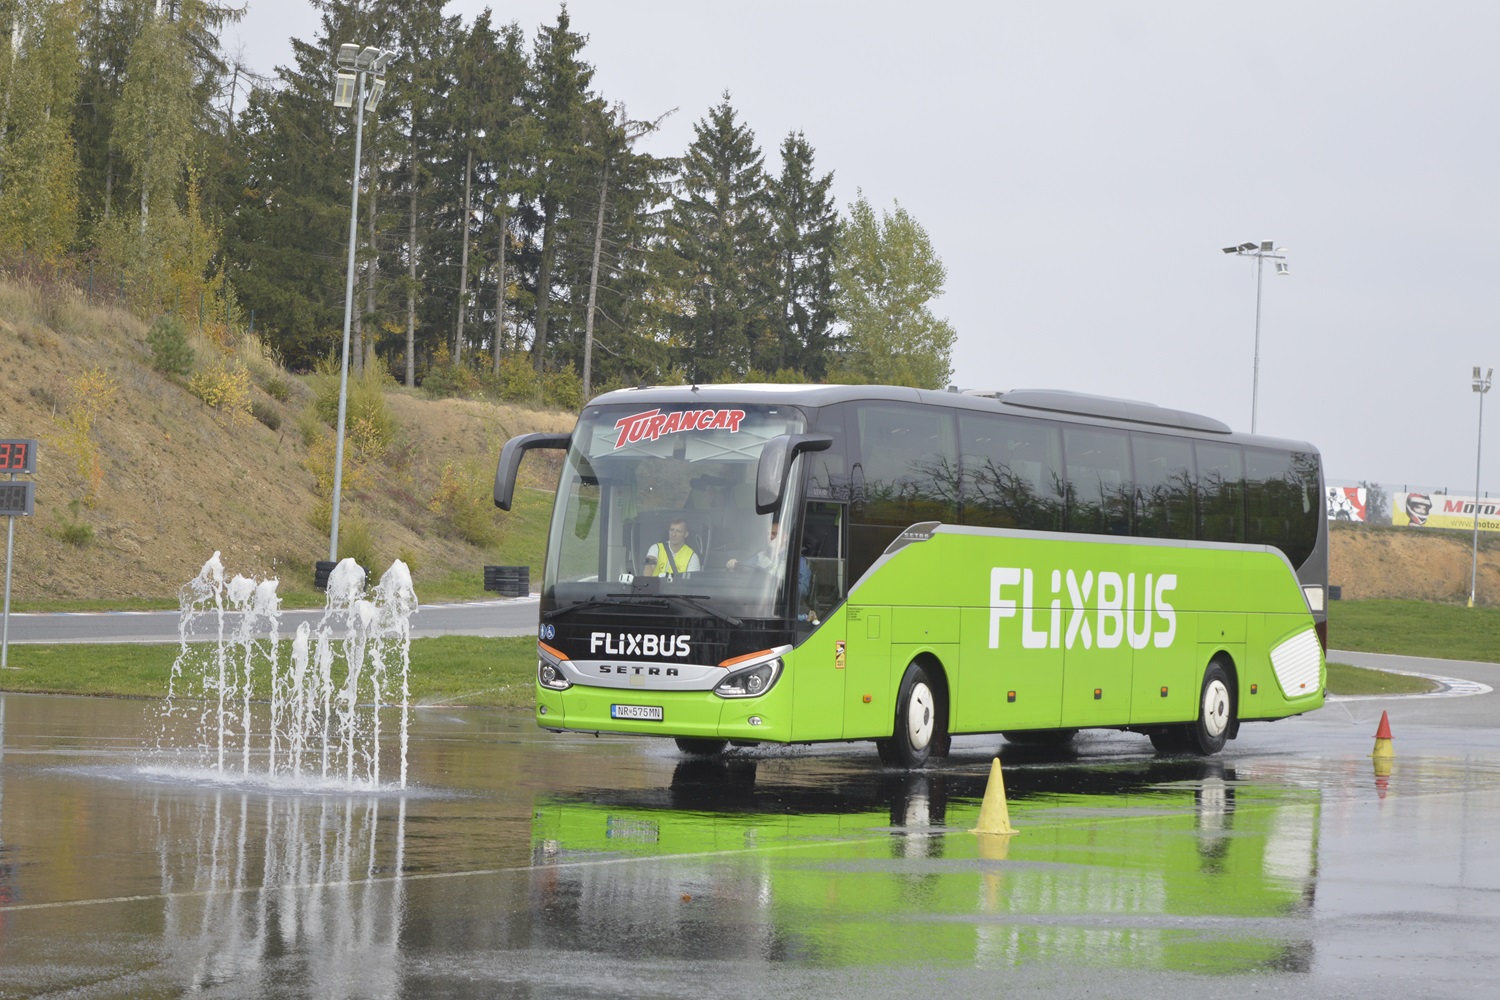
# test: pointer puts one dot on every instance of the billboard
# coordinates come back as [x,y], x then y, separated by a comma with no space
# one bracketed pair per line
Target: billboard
[1346,503]
[1444,510]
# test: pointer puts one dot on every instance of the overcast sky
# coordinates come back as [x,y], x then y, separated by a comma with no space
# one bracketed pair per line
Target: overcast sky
[1079,167]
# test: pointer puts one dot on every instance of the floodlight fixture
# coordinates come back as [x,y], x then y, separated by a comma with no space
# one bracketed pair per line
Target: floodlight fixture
[348,53]
[343,90]
[382,61]
[377,87]
[367,55]
[1260,251]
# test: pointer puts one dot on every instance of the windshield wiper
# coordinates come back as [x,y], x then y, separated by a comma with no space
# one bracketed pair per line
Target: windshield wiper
[607,601]
[693,601]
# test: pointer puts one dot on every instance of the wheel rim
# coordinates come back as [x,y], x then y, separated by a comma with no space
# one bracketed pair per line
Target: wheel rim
[921,715]
[1215,707]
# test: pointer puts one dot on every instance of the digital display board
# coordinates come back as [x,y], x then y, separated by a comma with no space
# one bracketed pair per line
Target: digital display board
[18,456]
[16,498]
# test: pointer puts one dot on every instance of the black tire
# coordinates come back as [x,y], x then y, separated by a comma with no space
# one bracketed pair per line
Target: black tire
[1174,740]
[701,748]
[919,725]
[1206,734]
[1041,737]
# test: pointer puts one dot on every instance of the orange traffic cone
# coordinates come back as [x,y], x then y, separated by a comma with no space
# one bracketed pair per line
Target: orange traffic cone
[1383,749]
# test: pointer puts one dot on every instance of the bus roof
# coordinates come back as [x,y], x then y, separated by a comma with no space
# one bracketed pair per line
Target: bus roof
[1024,402]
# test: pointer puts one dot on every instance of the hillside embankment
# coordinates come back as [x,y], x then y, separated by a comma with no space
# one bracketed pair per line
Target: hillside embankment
[1413,563]
[139,481]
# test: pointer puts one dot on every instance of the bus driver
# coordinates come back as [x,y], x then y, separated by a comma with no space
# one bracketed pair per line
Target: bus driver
[673,555]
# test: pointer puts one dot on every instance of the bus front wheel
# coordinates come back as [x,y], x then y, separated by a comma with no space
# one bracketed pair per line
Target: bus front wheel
[919,726]
[1208,733]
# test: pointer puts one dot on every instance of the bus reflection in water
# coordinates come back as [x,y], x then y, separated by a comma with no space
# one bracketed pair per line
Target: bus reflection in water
[1172,865]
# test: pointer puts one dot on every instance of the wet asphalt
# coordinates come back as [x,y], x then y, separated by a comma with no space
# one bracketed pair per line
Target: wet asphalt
[519,863]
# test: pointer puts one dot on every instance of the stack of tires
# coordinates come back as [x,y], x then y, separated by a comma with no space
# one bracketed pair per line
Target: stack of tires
[508,581]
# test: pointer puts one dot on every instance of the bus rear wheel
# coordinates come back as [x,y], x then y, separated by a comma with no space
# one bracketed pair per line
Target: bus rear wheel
[701,748]
[919,726]
[1207,734]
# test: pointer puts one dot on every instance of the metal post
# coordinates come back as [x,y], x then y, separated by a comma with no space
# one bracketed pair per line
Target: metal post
[10,541]
[1260,262]
[338,457]
[1481,386]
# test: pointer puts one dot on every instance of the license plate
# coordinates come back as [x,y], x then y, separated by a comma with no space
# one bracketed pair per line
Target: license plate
[646,713]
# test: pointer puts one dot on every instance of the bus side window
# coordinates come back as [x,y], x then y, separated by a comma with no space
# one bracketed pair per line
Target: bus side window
[1278,489]
[1009,472]
[1221,492]
[1100,492]
[909,462]
[1163,486]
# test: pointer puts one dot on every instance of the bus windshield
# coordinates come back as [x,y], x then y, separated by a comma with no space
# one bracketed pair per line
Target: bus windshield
[657,505]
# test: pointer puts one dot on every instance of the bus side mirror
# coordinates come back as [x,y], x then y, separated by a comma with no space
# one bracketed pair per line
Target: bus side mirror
[776,461]
[510,461]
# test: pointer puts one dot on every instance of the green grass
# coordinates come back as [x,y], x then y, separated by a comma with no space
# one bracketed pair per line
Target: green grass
[1347,680]
[450,670]
[1415,628]
[463,670]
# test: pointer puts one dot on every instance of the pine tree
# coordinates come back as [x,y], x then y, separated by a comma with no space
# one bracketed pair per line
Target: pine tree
[887,274]
[804,225]
[564,107]
[510,136]
[289,233]
[719,243]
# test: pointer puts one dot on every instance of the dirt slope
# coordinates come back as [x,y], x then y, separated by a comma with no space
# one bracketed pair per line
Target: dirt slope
[1411,563]
[177,481]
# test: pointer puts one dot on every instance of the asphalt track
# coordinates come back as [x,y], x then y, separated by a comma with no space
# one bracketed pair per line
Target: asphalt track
[498,617]
[524,864]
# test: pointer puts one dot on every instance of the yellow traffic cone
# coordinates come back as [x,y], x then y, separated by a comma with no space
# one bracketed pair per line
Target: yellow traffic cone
[1383,750]
[994,814]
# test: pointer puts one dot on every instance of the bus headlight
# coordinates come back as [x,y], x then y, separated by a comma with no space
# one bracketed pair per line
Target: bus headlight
[549,674]
[751,681]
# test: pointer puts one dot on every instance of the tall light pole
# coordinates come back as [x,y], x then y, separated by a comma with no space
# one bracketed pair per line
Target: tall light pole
[354,65]
[1481,385]
[1260,251]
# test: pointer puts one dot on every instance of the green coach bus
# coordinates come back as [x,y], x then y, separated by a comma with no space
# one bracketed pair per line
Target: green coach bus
[738,564]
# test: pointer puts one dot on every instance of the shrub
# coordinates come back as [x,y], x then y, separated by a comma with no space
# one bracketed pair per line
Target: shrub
[464,500]
[451,380]
[563,388]
[71,529]
[518,379]
[357,542]
[171,354]
[89,394]
[226,388]
[364,403]
[266,413]
[275,386]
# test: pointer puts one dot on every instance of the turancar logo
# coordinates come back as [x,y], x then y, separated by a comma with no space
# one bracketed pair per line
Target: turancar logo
[1104,609]
[652,424]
